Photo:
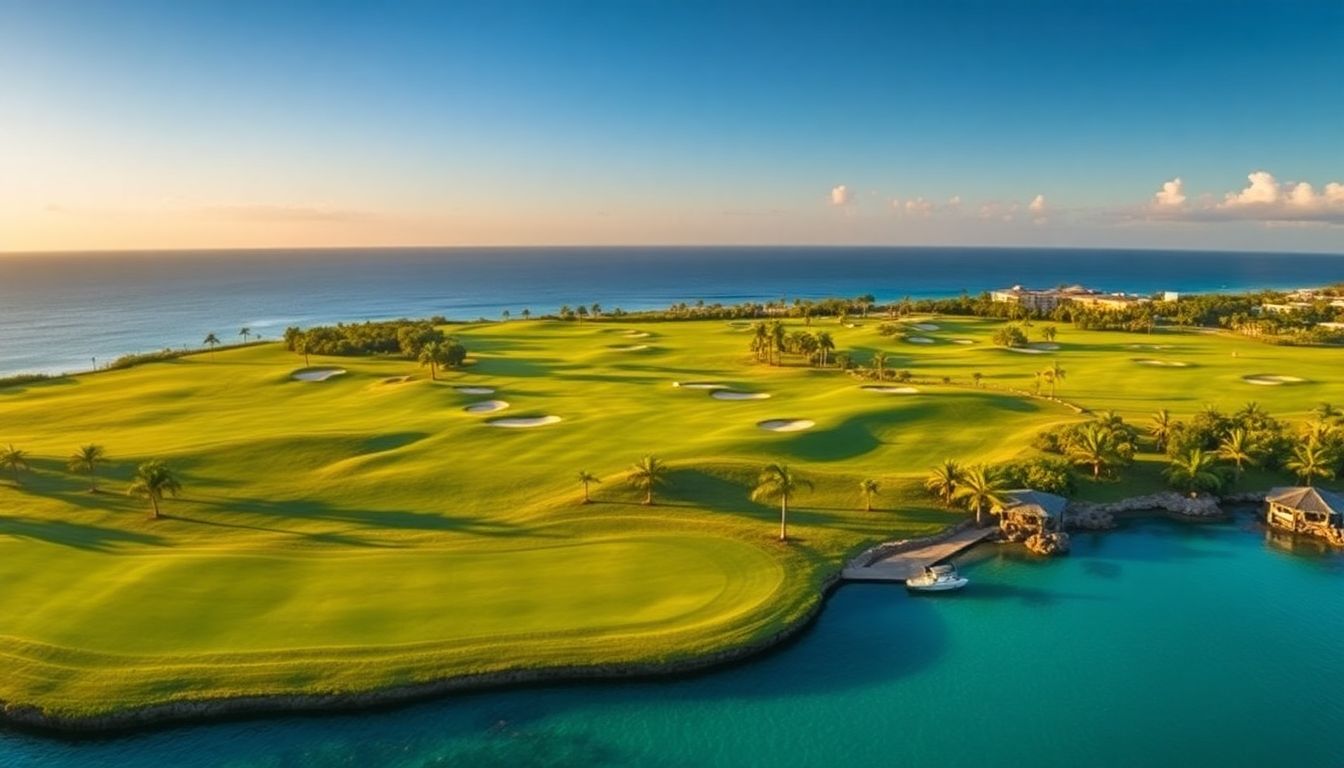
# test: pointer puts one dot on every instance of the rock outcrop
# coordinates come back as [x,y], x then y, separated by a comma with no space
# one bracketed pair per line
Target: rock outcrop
[1048,543]
[1200,506]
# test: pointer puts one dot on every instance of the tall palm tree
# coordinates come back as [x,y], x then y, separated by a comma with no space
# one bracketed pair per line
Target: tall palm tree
[585,478]
[648,473]
[827,345]
[1056,374]
[154,480]
[777,482]
[1309,461]
[979,489]
[86,460]
[976,377]
[210,341]
[1048,333]
[1195,471]
[14,460]
[778,340]
[1326,412]
[1318,431]
[868,489]
[1160,428]
[1238,448]
[245,332]
[1095,447]
[880,363]
[431,354]
[943,480]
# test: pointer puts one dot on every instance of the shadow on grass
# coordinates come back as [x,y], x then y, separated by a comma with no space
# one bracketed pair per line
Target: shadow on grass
[78,535]
[380,519]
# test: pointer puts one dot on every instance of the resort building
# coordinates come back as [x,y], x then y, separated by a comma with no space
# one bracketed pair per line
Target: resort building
[1026,510]
[1108,300]
[1283,309]
[1306,510]
[1039,301]
[1045,301]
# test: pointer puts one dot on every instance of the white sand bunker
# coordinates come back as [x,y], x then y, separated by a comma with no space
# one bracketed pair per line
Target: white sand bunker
[1271,380]
[1162,363]
[699,385]
[1046,346]
[486,406]
[476,390]
[1148,346]
[963,341]
[786,425]
[317,374]
[924,327]
[732,394]
[853,325]
[523,422]
[628,347]
[919,339]
[637,334]
[889,390]
[1024,350]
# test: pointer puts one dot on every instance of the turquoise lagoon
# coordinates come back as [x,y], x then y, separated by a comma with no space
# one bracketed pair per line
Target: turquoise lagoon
[1160,644]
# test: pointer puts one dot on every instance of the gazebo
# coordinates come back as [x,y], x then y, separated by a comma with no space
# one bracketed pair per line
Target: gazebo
[1026,511]
[1303,509]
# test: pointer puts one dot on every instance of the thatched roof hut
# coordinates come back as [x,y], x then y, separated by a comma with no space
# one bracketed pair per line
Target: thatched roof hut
[1024,506]
[1303,509]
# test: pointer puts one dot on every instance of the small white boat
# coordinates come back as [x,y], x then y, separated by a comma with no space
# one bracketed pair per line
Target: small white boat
[937,578]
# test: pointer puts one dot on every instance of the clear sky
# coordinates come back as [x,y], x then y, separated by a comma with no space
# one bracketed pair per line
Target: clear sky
[237,124]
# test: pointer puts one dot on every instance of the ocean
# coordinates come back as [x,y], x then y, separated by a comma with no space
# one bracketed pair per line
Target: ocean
[66,312]
[1161,644]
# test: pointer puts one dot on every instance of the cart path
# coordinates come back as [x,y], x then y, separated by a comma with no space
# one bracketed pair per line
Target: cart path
[904,565]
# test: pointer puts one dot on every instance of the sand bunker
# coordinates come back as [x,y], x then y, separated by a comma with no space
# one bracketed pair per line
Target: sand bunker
[853,325]
[699,385]
[1024,350]
[521,422]
[1148,346]
[476,390]
[889,390]
[1162,363]
[919,339]
[1046,346]
[1271,380]
[732,394]
[637,334]
[786,425]
[924,327]
[963,341]
[486,406]
[628,347]
[317,374]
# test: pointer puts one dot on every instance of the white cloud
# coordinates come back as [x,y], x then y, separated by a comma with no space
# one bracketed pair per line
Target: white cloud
[1037,204]
[1172,194]
[954,201]
[919,207]
[840,195]
[1263,190]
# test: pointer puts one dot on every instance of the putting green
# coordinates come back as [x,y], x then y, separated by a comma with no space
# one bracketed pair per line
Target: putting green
[349,535]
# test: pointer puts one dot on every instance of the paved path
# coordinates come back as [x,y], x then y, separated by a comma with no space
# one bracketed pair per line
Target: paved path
[903,565]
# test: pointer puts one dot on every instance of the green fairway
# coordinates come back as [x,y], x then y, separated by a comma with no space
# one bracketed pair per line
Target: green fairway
[366,531]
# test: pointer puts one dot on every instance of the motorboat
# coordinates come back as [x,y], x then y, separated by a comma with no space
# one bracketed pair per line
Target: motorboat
[937,578]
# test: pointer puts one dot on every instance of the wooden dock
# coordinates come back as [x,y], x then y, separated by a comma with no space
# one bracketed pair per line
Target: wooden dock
[903,565]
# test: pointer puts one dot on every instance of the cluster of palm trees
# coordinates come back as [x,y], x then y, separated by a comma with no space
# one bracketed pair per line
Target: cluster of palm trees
[977,488]
[1052,376]
[448,353]
[770,341]
[776,482]
[153,480]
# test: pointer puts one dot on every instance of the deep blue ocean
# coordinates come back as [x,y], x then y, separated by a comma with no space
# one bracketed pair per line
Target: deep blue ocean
[60,311]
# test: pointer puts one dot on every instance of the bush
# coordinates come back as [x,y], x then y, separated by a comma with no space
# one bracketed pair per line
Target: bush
[1049,475]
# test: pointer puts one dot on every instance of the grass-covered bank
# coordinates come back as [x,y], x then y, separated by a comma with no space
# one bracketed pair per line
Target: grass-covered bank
[365,532]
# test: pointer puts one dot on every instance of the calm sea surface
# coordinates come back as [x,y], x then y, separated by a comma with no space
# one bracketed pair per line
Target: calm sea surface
[1157,645]
[58,312]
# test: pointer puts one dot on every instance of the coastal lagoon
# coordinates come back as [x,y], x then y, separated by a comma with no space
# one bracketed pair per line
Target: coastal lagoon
[1161,643]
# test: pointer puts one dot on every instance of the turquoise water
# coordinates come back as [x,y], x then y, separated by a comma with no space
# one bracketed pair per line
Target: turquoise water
[1158,645]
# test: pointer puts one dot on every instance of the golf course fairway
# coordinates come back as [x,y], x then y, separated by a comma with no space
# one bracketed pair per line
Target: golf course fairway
[368,531]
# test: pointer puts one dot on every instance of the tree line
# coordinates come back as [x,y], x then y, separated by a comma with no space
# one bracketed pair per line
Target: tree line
[153,480]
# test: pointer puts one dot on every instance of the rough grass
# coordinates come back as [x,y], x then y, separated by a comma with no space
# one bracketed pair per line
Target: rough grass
[363,532]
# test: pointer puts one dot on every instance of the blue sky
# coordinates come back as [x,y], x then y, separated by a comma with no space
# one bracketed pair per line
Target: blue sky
[163,124]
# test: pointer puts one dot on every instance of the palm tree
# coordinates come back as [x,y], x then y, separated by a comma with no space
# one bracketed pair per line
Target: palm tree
[301,346]
[1048,333]
[1195,471]
[585,478]
[778,338]
[944,479]
[880,363]
[14,460]
[431,354]
[826,345]
[979,489]
[1094,447]
[1056,374]
[868,489]
[86,460]
[1325,412]
[527,313]
[1238,448]
[153,480]
[1310,460]
[210,341]
[647,474]
[976,377]
[245,332]
[777,482]
[1161,428]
